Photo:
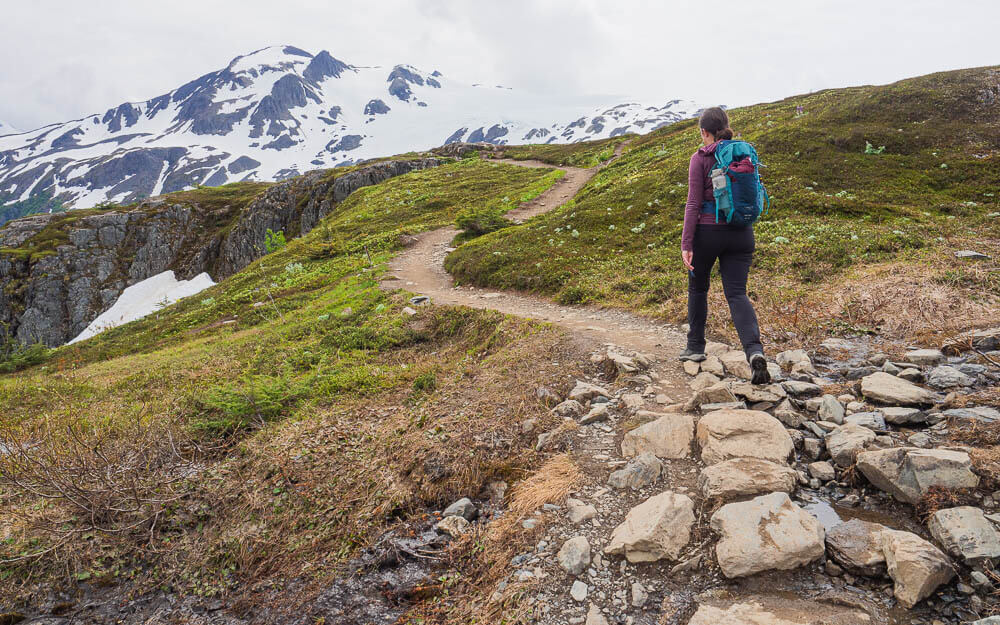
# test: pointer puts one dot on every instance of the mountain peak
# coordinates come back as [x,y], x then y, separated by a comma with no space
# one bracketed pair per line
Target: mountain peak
[272,58]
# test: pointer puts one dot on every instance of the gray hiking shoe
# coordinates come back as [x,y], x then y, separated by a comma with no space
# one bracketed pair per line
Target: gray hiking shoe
[693,356]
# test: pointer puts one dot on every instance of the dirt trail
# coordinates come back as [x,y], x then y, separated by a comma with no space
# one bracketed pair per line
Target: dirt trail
[420,269]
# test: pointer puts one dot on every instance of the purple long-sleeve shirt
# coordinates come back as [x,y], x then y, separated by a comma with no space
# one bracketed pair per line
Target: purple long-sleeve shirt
[699,190]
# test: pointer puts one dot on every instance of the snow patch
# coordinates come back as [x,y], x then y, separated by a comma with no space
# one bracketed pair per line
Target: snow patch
[145,297]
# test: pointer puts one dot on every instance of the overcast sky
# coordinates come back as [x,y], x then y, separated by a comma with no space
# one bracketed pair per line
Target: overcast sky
[63,59]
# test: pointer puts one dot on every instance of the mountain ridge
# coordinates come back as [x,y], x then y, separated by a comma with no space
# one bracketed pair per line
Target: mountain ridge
[278,112]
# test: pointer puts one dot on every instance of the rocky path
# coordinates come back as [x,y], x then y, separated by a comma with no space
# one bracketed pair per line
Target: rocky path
[420,269]
[709,500]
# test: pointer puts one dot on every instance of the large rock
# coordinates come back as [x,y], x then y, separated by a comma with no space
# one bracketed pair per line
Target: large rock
[595,616]
[574,555]
[726,434]
[872,420]
[916,566]
[658,528]
[773,393]
[584,392]
[924,356]
[901,415]
[796,388]
[945,377]
[965,533]
[888,389]
[768,532]
[907,473]
[846,441]
[703,380]
[830,409]
[569,408]
[788,358]
[736,364]
[643,470]
[579,511]
[776,610]
[857,546]
[667,437]
[718,393]
[745,476]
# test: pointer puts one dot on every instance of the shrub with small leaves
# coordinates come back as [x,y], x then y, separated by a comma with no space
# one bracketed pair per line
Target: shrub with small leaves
[476,222]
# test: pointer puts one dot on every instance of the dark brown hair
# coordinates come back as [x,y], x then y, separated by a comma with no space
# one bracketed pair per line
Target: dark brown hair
[715,122]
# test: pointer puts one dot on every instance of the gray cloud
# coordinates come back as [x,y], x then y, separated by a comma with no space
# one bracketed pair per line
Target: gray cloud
[63,59]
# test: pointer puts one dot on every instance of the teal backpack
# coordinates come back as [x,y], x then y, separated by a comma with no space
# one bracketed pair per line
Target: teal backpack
[740,196]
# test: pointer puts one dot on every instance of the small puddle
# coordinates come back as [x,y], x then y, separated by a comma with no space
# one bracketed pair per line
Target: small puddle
[830,516]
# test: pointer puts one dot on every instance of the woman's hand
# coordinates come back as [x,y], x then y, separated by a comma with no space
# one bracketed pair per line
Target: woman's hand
[688,257]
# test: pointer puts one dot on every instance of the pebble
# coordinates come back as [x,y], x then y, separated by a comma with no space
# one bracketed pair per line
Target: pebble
[578,591]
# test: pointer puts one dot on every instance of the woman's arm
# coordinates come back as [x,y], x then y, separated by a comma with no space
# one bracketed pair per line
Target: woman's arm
[696,196]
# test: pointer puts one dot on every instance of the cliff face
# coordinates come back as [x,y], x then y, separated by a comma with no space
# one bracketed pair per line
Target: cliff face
[59,272]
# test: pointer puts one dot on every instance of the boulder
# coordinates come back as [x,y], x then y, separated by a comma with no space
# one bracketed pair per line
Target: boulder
[453,525]
[691,367]
[846,441]
[830,409]
[888,389]
[857,546]
[916,566]
[737,477]
[782,611]
[787,414]
[768,532]
[569,408]
[703,380]
[669,436]
[944,377]
[871,420]
[574,555]
[584,392]
[901,415]
[463,508]
[907,473]
[597,413]
[788,358]
[924,356]
[718,393]
[736,364]
[643,470]
[726,434]
[713,365]
[912,374]
[756,393]
[822,471]
[578,511]
[965,533]
[658,528]
[796,388]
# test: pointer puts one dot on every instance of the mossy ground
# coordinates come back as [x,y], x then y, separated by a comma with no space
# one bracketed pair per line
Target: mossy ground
[308,411]
[836,210]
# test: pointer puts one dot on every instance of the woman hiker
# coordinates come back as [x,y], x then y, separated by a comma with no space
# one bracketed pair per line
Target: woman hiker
[704,241]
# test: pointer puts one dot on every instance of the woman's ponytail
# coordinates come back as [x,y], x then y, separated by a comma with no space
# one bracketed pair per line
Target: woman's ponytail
[715,122]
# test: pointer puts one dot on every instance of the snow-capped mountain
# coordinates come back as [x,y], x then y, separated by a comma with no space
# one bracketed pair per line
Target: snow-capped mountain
[281,111]
[7,129]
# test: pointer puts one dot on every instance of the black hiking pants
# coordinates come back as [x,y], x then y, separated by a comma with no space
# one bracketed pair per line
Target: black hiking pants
[733,247]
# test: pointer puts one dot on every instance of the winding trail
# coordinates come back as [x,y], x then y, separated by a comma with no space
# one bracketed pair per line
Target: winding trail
[420,269]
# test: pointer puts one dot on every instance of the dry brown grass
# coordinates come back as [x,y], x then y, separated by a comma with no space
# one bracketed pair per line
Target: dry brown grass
[484,558]
[899,300]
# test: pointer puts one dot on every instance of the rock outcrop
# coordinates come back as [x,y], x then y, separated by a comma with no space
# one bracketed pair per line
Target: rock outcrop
[90,258]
